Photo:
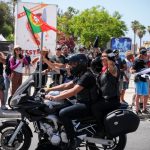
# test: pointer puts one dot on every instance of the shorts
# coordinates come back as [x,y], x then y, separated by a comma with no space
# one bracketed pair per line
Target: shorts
[142,88]
[123,85]
[2,84]
[120,85]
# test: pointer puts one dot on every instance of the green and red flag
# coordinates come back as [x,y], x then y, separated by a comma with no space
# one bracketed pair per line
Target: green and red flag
[37,24]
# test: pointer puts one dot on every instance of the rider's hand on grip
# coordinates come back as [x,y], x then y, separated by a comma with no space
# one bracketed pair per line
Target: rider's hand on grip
[42,90]
[49,97]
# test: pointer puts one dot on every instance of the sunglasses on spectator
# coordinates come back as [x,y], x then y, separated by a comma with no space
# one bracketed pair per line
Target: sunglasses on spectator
[104,56]
[81,50]
[18,49]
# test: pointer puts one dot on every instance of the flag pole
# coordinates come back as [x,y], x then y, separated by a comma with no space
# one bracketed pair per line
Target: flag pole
[40,63]
[44,16]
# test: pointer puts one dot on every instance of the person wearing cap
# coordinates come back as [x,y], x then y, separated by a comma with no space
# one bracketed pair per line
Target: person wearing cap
[65,51]
[17,61]
[82,49]
[141,84]
[58,58]
[61,61]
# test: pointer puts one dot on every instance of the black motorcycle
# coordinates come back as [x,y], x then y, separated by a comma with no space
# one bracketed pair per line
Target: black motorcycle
[17,135]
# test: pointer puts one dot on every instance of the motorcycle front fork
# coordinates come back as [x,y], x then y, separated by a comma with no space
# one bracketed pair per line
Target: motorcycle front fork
[10,142]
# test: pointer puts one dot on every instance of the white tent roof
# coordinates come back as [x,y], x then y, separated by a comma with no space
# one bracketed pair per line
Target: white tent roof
[2,38]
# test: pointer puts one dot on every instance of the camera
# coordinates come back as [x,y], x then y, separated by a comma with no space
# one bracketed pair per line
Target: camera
[20,56]
[111,56]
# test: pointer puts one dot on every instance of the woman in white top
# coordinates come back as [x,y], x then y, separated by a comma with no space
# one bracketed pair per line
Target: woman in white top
[16,64]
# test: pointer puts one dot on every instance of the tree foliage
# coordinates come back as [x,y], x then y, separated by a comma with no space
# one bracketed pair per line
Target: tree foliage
[148,29]
[6,19]
[138,29]
[135,25]
[91,23]
[141,32]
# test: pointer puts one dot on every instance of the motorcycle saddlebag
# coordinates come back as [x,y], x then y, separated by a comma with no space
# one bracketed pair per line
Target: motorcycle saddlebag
[121,122]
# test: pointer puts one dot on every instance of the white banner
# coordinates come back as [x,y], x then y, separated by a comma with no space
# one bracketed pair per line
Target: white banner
[23,33]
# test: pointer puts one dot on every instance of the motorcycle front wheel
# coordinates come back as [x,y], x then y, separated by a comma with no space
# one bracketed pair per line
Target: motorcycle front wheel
[21,142]
[119,143]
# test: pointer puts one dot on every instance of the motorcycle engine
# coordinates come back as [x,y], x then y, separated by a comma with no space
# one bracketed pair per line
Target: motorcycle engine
[54,137]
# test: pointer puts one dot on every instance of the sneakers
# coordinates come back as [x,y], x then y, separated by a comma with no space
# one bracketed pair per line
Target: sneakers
[3,107]
[138,112]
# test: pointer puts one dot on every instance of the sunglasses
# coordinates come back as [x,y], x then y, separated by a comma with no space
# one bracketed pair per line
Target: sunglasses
[104,56]
[81,50]
[18,49]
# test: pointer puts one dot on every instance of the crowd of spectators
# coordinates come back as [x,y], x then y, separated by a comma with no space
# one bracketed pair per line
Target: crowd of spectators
[11,70]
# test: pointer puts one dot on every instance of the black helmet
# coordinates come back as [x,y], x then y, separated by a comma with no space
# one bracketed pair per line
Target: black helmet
[81,61]
[116,51]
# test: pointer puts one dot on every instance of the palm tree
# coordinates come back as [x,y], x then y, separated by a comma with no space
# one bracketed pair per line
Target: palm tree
[141,32]
[148,29]
[135,26]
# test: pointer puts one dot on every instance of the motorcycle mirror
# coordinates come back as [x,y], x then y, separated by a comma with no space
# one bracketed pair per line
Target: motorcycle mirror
[31,91]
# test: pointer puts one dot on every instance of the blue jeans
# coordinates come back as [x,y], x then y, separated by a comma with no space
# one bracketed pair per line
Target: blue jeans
[7,86]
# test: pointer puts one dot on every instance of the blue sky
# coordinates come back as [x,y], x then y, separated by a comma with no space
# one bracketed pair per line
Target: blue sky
[129,9]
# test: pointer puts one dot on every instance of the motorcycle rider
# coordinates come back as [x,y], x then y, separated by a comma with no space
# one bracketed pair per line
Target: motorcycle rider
[83,87]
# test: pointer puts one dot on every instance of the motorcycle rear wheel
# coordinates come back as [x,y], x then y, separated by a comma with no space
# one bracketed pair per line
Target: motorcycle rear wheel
[21,142]
[119,143]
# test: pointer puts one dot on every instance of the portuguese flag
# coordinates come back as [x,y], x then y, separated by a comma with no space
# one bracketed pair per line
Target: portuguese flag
[37,24]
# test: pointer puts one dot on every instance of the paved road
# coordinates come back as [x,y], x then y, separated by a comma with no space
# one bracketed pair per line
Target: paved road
[140,140]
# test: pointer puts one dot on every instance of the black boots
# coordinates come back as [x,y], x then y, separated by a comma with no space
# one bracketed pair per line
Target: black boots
[74,143]
[100,133]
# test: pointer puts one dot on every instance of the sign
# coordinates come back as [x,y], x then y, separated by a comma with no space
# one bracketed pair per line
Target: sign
[123,44]
[23,33]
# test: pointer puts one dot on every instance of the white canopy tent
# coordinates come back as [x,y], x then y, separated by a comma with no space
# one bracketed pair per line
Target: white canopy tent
[2,38]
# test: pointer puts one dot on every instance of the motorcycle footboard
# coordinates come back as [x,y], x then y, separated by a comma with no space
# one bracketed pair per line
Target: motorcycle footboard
[98,141]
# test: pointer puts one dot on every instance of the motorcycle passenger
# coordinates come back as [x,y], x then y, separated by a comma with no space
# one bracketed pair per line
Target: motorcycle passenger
[83,87]
[109,85]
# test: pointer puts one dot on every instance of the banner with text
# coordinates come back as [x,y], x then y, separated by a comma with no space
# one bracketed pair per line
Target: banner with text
[23,33]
